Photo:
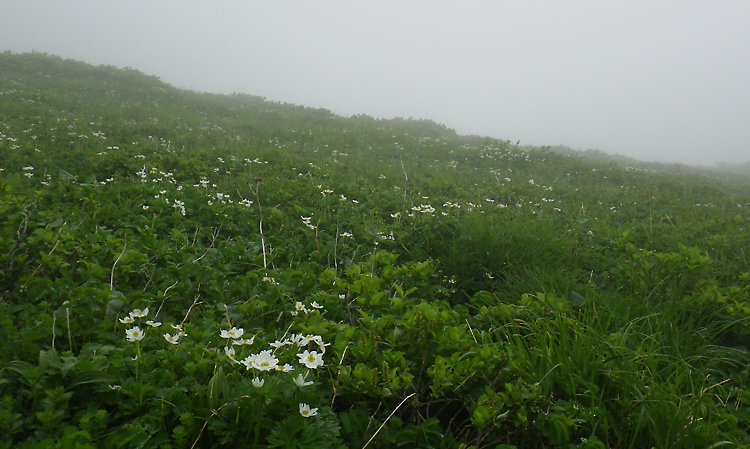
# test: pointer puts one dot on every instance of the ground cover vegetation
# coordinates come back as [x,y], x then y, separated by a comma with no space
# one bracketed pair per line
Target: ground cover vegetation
[188,270]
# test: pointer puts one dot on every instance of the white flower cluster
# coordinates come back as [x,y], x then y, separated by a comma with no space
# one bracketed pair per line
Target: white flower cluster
[270,280]
[306,222]
[223,198]
[135,333]
[142,173]
[179,205]
[300,307]
[384,236]
[423,208]
[174,339]
[266,360]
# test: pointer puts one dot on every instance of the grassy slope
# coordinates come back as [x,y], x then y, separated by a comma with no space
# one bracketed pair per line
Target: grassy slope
[612,298]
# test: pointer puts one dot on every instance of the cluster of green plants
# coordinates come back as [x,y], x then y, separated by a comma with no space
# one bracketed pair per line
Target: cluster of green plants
[185,270]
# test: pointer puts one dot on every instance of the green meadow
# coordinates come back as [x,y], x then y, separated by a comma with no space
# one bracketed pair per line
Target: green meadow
[189,270]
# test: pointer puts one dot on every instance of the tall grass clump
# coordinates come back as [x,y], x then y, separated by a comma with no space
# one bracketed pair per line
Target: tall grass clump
[646,374]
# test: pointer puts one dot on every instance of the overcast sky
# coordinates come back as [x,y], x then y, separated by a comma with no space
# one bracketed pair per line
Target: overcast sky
[658,80]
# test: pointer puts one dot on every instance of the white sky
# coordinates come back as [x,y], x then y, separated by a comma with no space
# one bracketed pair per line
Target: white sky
[658,80]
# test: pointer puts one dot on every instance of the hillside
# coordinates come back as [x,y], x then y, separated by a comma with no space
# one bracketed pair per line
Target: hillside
[322,281]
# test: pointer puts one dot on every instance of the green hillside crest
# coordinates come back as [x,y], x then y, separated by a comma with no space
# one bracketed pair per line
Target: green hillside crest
[182,269]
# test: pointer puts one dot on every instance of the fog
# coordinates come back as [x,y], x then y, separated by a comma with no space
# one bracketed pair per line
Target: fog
[657,81]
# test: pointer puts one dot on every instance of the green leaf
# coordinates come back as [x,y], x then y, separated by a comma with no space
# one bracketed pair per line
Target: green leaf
[91,376]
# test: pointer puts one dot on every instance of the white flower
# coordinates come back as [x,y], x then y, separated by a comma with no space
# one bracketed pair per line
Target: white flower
[244,341]
[232,333]
[306,411]
[300,307]
[248,361]
[127,320]
[258,382]
[277,344]
[153,323]
[262,361]
[229,351]
[310,359]
[134,334]
[300,381]
[174,339]
[315,305]
[138,313]
[179,329]
[284,369]
[303,340]
[322,346]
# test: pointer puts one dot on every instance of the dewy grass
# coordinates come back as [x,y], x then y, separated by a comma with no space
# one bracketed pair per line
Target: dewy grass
[666,370]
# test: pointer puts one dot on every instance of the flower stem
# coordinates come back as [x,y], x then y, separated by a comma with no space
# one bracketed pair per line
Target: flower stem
[137,358]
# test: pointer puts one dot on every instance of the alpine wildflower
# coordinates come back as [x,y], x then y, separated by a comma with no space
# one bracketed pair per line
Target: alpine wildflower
[138,313]
[263,361]
[306,411]
[174,339]
[244,341]
[300,381]
[310,359]
[233,333]
[285,368]
[258,382]
[134,334]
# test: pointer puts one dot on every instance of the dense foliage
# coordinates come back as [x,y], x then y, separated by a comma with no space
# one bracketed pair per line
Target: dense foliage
[183,270]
